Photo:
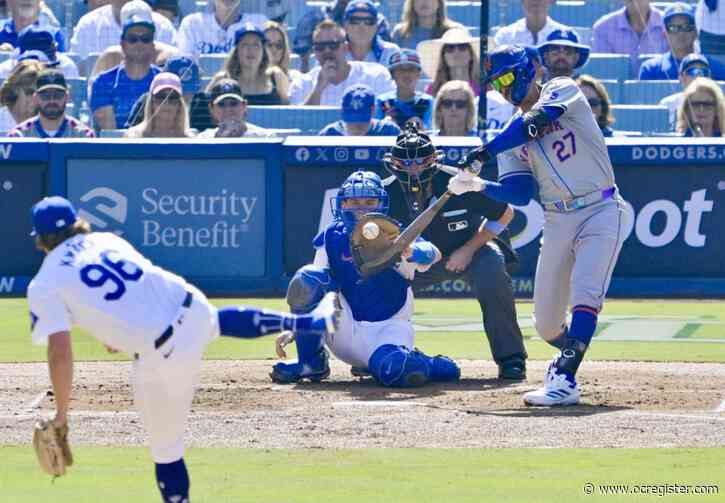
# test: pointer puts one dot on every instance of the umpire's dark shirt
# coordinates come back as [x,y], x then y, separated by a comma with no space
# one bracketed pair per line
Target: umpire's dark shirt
[457,222]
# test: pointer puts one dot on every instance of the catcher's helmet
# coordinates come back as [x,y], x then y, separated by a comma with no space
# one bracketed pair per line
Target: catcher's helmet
[412,159]
[360,184]
[516,60]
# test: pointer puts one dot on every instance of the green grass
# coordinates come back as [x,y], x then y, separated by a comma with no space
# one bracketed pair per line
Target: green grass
[369,475]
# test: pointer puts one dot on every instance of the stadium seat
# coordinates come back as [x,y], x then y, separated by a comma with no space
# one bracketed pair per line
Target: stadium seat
[614,89]
[645,118]
[307,119]
[111,133]
[466,13]
[585,34]
[607,66]
[210,64]
[648,92]
[577,11]
[78,91]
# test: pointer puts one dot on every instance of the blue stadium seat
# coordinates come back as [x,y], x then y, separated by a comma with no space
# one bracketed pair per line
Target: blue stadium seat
[607,66]
[505,12]
[585,34]
[466,13]
[307,119]
[211,63]
[614,89]
[648,92]
[645,118]
[78,91]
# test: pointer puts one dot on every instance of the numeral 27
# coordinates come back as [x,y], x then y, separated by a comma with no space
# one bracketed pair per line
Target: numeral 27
[560,147]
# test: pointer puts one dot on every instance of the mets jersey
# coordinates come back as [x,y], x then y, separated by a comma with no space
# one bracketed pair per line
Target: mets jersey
[569,158]
[101,284]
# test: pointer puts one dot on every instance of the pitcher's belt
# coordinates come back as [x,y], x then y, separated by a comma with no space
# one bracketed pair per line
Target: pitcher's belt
[166,335]
[578,203]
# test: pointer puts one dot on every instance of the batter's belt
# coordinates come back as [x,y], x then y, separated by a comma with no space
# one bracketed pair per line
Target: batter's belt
[577,203]
[166,335]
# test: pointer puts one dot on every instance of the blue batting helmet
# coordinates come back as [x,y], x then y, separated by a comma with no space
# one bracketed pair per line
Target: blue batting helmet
[517,60]
[360,184]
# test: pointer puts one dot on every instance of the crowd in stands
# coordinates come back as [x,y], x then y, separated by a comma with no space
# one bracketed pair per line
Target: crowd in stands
[149,69]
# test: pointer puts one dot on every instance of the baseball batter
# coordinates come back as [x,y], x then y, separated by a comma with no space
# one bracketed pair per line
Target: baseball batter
[100,283]
[554,141]
[375,333]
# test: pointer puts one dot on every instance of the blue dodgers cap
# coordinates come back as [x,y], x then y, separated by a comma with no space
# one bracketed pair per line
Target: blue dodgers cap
[52,214]
[694,59]
[34,38]
[362,7]
[242,29]
[357,104]
[679,9]
[187,70]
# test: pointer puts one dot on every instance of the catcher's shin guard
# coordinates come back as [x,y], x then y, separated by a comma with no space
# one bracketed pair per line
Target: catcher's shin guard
[442,368]
[312,361]
[399,367]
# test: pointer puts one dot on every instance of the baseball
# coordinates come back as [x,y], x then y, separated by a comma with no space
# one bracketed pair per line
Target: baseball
[370,230]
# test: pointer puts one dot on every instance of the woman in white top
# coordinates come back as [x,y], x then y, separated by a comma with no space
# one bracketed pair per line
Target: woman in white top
[16,94]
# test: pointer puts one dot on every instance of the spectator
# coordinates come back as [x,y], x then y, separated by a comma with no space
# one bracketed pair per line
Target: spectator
[422,20]
[50,98]
[101,28]
[165,115]
[363,41]
[693,66]
[681,34]
[598,98]
[24,13]
[268,10]
[358,105]
[702,112]
[229,110]
[453,57]
[454,113]
[212,32]
[114,92]
[531,29]
[39,43]
[325,84]
[302,43]
[167,8]
[278,49]
[562,53]
[16,94]
[248,64]
[634,29]
[710,16]
[405,103]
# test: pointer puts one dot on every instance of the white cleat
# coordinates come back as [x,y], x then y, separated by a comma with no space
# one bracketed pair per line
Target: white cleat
[557,390]
[327,313]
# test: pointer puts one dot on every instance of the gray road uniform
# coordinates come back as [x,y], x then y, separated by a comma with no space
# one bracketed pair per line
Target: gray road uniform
[584,213]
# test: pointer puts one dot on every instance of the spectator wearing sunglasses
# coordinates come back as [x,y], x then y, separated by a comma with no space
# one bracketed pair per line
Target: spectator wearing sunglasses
[358,105]
[405,103]
[598,98]
[114,92]
[361,25]
[16,94]
[165,115]
[49,99]
[454,113]
[422,20]
[562,53]
[455,56]
[325,84]
[228,108]
[693,66]
[702,112]
[679,22]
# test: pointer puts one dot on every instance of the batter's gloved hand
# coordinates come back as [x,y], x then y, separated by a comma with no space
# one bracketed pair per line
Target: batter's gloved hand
[458,184]
[475,159]
[51,446]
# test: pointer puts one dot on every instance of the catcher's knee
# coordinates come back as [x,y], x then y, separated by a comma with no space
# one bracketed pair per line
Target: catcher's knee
[307,287]
[399,367]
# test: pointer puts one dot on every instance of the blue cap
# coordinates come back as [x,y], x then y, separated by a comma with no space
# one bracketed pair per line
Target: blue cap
[243,28]
[679,9]
[34,38]
[567,38]
[357,103]
[404,57]
[187,71]
[692,59]
[360,6]
[52,214]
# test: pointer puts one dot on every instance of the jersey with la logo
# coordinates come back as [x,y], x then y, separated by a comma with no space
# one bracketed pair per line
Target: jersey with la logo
[101,284]
[569,157]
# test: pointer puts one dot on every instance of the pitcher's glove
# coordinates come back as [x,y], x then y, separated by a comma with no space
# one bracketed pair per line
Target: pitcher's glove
[51,447]
[373,235]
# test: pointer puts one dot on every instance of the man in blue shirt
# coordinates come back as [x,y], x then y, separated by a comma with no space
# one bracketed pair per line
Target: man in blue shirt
[115,91]
[405,103]
[22,15]
[679,22]
[358,104]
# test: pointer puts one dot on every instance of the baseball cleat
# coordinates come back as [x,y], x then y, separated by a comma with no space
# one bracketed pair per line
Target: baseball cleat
[512,369]
[288,373]
[558,389]
[326,315]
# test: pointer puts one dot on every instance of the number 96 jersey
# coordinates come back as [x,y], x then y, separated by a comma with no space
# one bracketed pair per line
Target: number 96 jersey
[100,283]
[569,157]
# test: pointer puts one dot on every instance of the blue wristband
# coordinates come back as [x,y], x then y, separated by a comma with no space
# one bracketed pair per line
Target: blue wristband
[494,227]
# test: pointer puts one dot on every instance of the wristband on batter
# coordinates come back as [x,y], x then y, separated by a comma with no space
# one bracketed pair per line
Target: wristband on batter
[494,226]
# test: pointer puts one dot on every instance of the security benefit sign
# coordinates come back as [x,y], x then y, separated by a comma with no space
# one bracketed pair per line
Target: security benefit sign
[200,218]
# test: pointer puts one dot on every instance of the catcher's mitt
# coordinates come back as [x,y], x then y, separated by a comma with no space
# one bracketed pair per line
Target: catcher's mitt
[51,446]
[367,248]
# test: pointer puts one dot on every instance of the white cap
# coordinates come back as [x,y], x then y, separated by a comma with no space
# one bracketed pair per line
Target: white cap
[136,12]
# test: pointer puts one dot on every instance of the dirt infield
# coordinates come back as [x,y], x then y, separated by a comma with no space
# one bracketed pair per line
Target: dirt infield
[624,405]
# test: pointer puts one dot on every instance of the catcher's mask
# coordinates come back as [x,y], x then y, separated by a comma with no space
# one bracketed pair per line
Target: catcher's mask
[412,159]
[360,185]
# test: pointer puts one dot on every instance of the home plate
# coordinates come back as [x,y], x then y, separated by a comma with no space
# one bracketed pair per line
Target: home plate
[377,403]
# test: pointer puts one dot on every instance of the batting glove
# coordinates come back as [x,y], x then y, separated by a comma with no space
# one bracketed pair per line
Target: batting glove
[458,185]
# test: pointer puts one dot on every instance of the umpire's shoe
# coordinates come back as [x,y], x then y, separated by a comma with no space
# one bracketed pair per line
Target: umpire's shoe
[512,369]
[314,371]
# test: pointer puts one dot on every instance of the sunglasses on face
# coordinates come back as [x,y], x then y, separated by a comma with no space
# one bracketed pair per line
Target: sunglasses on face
[698,71]
[503,81]
[594,102]
[704,105]
[276,45]
[449,103]
[51,94]
[170,97]
[680,28]
[135,39]
[228,103]
[456,47]
[358,20]
[562,48]
[332,45]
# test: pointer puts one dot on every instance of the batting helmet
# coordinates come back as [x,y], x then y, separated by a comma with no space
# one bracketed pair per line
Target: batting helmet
[360,184]
[512,65]
[412,159]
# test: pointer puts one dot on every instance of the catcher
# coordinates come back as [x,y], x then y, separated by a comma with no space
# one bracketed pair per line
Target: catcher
[375,334]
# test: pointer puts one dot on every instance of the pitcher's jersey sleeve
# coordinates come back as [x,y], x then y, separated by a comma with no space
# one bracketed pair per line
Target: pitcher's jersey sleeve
[48,312]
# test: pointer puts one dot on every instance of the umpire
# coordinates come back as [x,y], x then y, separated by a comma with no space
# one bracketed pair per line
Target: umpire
[470,232]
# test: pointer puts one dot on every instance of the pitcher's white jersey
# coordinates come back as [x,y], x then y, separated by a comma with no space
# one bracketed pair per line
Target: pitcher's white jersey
[569,159]
[101,284]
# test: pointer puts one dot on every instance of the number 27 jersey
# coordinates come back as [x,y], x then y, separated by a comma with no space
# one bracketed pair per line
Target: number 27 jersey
[101,284]
[569,158]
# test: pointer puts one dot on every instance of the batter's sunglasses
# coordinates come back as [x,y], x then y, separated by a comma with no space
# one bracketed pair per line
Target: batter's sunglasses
[503,81]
